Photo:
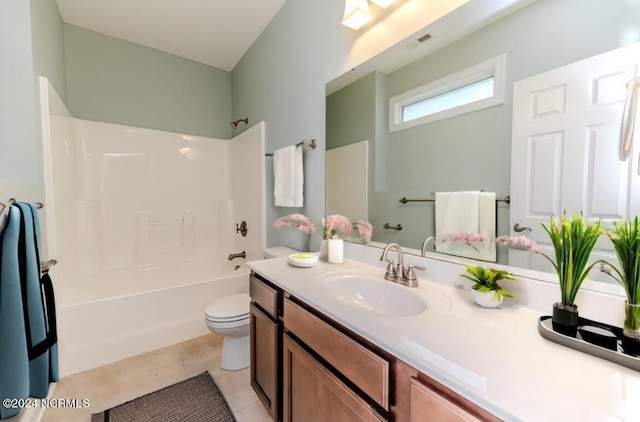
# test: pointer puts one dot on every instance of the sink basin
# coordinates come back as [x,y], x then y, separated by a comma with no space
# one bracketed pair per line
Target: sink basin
[372,293]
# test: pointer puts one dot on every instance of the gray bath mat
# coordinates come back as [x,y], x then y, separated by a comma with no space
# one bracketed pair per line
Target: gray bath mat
[194,400]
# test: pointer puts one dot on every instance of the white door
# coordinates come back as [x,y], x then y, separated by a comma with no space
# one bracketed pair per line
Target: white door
[566,150]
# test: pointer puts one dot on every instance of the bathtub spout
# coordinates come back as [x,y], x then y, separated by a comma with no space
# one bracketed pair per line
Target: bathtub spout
[233,256]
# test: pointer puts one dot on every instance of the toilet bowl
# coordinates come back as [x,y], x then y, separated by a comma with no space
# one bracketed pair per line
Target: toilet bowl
[229,318]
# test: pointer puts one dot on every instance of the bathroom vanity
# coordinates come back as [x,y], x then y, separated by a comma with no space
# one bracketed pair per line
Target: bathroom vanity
[306,366]
[338,342]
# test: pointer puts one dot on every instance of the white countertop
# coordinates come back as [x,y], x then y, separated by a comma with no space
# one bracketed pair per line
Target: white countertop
[494,357]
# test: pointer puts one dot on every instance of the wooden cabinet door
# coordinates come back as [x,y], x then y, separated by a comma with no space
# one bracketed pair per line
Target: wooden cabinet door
[264,359]
[313,394]
[428,405]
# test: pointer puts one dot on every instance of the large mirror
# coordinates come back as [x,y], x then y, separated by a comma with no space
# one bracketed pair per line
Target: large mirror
[468,152]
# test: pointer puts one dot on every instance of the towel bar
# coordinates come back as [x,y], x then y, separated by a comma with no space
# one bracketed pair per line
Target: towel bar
[13,201]
[312,144]
[46,266]
[507,199]
[397,227]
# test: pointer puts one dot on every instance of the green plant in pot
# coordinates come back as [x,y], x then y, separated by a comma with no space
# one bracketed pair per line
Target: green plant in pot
[573,240]
[625,237]
[486,290]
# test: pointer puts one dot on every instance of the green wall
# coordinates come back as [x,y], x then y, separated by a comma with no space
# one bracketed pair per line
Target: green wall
[48,44]
[281,80]
[473,151]
[30,45]
[116,81]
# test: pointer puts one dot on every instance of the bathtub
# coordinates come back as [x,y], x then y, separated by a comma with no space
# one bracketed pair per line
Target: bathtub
[142,310]
[141,222]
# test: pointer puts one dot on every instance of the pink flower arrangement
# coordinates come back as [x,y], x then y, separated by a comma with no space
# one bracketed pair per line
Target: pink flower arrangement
[365,230]
[464,237]
[467,238]
[339,224]
[520,242]
[295,220]
[336,224]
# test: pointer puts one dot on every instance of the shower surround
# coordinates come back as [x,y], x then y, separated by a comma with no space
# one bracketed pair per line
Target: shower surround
[142,222]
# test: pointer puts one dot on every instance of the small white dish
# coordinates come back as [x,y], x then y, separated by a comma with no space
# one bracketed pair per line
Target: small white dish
[303,260]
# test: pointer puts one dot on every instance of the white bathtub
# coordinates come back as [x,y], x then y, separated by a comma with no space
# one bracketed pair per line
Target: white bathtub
[141,222]
[145,310]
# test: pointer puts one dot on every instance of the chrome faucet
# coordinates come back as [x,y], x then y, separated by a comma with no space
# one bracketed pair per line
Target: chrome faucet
[393,273]
[399,274]
[423,251]
[233,256]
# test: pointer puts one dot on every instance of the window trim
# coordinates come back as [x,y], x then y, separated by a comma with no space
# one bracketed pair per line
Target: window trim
[493,67]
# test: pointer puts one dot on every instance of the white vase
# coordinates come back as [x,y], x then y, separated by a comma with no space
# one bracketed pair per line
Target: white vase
[487,299]
[323,255]
[336,251]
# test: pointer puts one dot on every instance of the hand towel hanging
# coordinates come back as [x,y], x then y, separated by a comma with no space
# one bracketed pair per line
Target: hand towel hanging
[288,177]
[14,360]
[465,224]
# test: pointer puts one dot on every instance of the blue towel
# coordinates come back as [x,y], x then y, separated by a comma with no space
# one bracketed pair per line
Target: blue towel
[51,342]
[28,338]
[36,329]
[14,361]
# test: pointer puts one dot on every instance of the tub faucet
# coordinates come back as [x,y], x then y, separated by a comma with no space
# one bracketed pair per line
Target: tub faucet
[233,256]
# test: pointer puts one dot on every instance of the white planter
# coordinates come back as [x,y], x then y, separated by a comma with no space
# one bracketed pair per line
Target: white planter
[336,251]
[486,299]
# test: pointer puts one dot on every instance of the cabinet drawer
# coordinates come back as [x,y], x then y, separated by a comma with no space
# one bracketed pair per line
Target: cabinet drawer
[367,370]
[264,295]
[427,405]
[432,401]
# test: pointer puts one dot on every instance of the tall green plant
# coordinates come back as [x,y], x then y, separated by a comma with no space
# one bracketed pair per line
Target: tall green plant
[625,237]
[573,241]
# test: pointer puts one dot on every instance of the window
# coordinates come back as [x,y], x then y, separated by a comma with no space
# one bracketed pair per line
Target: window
[471,89]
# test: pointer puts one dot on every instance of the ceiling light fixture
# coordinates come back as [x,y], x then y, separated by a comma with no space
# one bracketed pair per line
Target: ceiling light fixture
[383,3]
[356,13]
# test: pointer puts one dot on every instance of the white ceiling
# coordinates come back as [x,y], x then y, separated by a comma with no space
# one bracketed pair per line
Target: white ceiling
[214,32]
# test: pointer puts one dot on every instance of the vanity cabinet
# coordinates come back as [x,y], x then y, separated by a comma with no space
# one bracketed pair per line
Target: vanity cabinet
[428,405]
[312,393]
[367,370]
[421,398]
[306,367]
[265,338]
[347,367]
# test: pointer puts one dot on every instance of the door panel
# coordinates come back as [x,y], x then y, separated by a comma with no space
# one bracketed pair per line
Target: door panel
[565,150]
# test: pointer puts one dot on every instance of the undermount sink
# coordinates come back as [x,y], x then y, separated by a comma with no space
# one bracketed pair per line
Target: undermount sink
[372,293]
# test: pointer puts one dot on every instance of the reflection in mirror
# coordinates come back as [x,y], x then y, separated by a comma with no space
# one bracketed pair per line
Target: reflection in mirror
[472,151]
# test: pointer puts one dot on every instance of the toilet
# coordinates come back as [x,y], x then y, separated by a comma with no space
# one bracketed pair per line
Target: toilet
[229,317]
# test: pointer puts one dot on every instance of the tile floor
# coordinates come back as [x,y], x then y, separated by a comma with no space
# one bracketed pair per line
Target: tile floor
[127,379]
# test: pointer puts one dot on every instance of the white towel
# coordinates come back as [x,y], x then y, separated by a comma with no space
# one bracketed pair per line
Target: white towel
[457,212]
[467,212]
[487,225]
[288,177]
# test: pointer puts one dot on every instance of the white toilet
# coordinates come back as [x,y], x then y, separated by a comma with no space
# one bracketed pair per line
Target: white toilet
[229,317]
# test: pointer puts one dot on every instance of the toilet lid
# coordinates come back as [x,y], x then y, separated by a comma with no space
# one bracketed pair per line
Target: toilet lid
[229,308]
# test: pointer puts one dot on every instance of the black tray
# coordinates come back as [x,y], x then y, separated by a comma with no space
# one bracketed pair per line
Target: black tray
[620,350]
